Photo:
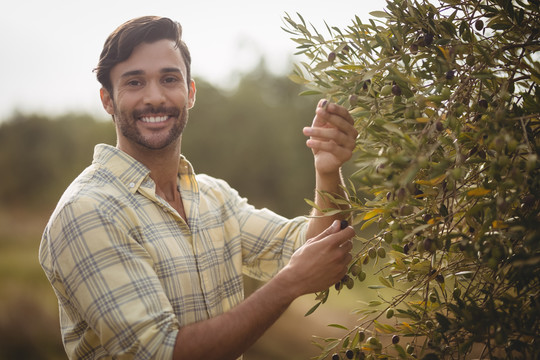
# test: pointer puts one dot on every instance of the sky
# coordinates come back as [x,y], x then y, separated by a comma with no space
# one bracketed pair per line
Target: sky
[49,47]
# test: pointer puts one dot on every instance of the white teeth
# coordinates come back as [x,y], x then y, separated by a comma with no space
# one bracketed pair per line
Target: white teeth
[154,119]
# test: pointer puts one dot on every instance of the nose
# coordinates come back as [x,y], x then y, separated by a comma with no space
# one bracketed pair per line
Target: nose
[153,94]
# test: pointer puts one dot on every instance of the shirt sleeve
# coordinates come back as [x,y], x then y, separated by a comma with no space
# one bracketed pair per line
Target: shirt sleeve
[108,287]
[268,239]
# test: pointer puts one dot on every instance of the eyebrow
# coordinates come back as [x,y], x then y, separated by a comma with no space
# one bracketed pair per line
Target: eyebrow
[141,72]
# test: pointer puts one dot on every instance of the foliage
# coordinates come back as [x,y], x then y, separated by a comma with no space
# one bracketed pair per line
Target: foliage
[39,156]
[252,137]
[446,98]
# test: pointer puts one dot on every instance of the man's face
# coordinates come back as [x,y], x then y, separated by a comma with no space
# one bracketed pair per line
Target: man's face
[150,98]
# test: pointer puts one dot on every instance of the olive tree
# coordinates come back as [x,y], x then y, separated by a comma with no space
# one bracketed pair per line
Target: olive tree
[446,99]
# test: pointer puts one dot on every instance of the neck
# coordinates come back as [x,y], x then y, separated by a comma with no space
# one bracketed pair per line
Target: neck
[163,165]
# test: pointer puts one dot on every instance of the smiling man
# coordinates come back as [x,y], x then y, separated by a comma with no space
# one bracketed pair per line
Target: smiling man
[146,257]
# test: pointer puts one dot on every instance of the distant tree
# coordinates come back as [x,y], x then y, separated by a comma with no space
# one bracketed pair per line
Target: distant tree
[40,156]
[446,97]
[250,136]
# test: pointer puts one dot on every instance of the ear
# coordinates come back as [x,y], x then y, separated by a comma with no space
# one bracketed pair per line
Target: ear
[191,96]
[106,101]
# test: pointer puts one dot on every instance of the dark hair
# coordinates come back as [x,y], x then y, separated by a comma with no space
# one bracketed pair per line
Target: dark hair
[147,29]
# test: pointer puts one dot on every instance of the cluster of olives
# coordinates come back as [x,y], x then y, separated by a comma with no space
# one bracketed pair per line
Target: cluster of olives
[370,343]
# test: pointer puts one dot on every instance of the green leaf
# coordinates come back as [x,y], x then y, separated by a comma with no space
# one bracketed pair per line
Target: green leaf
[338,326]
[379,14]
[310,311]
[401,352]
[310,92]
[385,282]
[375,287]
[298,79]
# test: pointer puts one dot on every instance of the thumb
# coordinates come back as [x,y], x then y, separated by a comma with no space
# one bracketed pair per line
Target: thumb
[332,229]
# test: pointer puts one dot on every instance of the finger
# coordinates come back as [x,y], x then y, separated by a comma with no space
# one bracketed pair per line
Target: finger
[334,110]
[324,119]
[332,229]
[347,246]
[340,152]
[330,134]
[343,238]
[340,111]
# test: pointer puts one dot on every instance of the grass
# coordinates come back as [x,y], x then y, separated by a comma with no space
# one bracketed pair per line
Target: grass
[29,327]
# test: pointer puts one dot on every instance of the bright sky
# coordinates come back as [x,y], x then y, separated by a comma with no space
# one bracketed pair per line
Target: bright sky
[49,47]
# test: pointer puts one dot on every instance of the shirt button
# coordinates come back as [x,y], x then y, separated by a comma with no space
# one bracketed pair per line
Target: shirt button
[131,185]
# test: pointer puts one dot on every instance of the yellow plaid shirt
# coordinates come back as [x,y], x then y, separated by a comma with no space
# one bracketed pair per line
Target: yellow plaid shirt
[128,271]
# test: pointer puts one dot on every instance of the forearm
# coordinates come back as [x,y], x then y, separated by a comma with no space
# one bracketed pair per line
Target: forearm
[319,263]
[332,138]
[331,184]
[230,334]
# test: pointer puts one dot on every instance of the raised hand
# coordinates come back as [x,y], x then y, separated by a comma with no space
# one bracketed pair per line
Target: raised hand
[332,137]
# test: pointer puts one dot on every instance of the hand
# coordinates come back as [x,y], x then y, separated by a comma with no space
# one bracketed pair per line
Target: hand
[321,262]
[332,137]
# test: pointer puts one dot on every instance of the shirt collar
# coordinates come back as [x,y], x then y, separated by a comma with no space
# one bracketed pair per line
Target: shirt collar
[128,170]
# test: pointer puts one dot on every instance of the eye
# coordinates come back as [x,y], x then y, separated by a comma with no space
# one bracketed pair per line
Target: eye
[170,79]
[134,82]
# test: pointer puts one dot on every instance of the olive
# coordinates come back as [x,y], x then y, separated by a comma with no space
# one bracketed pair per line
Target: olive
[353,99]
[361,336]
[348,281]
[428,242]
[470,60]
[362,276]
[479,25]
[395,339]
[445,93]
[356,269]
[332,56]
[409,349]
[428,39]
[386,90]
[349,354]
[483,103]
[396,90]
[406,248]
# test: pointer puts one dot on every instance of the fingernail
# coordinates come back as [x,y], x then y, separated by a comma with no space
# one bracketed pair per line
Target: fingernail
[343,224]
[324,103]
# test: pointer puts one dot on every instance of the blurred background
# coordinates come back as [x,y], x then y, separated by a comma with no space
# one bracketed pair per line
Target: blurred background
[246,128]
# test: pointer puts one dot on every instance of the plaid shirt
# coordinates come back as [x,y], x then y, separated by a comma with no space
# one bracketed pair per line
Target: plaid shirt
[128,271]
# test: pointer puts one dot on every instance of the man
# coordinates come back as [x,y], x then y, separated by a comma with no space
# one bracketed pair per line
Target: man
[146,258]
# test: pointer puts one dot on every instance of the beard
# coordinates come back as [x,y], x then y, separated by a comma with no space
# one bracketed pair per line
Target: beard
[127,125]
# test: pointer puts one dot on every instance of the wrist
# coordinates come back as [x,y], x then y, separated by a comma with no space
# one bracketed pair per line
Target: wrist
[328,180]
[286,284]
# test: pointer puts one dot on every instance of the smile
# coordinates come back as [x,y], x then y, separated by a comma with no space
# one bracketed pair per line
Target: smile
[154,119]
